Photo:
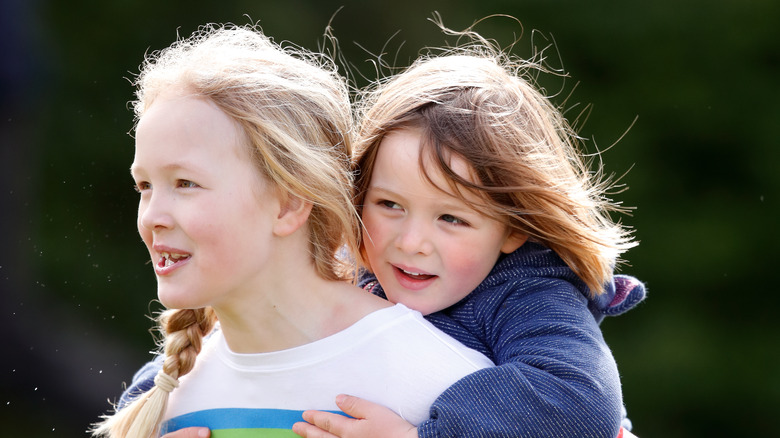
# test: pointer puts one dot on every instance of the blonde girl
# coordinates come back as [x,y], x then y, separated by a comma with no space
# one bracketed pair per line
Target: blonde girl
[241,162]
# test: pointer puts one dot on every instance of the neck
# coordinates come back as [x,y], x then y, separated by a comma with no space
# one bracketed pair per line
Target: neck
[299,309]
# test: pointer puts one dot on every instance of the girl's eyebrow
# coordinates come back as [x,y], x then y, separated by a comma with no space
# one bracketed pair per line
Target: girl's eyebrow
[176,165]
[387,192]
[445,202]
[382,189]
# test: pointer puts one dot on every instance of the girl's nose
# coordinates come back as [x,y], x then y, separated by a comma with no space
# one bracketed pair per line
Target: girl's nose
[154,212]
[414,238]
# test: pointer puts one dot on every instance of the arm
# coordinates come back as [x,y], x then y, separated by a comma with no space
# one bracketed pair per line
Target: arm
[555,375]
[143,381]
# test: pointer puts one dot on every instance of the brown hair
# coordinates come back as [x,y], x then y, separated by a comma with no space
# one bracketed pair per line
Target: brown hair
[479,103]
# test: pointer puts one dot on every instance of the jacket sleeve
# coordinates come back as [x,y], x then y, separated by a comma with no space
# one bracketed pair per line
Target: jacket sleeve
[555,376]
[143,381]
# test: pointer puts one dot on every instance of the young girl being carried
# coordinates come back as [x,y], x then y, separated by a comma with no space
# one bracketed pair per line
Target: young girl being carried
[480,212]
[242,164]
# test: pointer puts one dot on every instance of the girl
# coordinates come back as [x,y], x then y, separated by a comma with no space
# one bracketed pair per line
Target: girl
[241,161]
[479,211]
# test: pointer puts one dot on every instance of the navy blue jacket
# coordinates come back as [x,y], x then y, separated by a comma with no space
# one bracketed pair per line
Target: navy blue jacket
[555,375]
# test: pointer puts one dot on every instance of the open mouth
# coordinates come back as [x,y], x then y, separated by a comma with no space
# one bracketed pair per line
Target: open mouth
[415,275]
[168,259]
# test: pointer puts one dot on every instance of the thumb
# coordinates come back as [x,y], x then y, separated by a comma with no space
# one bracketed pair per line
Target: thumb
[353,406]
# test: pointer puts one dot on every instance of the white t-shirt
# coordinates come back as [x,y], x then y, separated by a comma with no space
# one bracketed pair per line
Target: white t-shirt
[393,357]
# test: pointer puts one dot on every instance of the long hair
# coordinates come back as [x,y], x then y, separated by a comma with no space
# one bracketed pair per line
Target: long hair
[479,103]
[294,111]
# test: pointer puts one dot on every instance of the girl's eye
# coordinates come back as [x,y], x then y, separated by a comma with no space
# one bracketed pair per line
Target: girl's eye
[141,186]
[389,204]
[185,184]
[452,219]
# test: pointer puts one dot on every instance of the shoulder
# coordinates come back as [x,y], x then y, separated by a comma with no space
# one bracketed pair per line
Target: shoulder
[530,280]
[525,280]
[532,261]
[411,332]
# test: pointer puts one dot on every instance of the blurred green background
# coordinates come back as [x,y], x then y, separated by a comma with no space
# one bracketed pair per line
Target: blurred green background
[698,358]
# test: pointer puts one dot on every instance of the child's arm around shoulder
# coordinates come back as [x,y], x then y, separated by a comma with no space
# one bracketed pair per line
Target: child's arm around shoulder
[554,376]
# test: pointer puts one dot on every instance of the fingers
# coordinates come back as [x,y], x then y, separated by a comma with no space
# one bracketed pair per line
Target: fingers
[327,424]
[190,432]
[307,430]
[355,407]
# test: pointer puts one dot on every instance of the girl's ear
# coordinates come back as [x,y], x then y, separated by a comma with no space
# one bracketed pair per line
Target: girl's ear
[293,214]
[513,241]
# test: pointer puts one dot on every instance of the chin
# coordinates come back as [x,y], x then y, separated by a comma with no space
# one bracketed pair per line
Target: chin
[177,301]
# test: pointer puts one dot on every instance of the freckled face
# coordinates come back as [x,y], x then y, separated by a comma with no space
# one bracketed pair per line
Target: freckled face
[205,212]
[428,248]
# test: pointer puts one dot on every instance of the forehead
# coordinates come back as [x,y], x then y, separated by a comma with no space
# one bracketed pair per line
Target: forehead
[179,113]
[404,158]
[409,146]
[177,127]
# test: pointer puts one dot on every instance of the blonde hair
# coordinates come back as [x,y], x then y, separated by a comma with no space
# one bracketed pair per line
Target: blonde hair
[477,102]
[294,110]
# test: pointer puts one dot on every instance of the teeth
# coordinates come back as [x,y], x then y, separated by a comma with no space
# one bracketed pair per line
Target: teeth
[417,275]
[169,259]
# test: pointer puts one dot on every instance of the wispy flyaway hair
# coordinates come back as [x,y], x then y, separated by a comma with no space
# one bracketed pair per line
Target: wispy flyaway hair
[294,112]
[478,102]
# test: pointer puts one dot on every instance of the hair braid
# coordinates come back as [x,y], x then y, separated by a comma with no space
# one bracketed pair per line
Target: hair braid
[184,331]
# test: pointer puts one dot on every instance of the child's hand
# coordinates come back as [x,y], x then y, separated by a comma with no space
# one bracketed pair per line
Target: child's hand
[190,432]
[369,420]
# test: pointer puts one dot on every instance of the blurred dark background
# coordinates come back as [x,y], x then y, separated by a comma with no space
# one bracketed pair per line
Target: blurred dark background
[698,358]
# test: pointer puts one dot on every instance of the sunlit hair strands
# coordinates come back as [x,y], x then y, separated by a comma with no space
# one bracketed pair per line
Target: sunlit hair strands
[479,102]
[293,108]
